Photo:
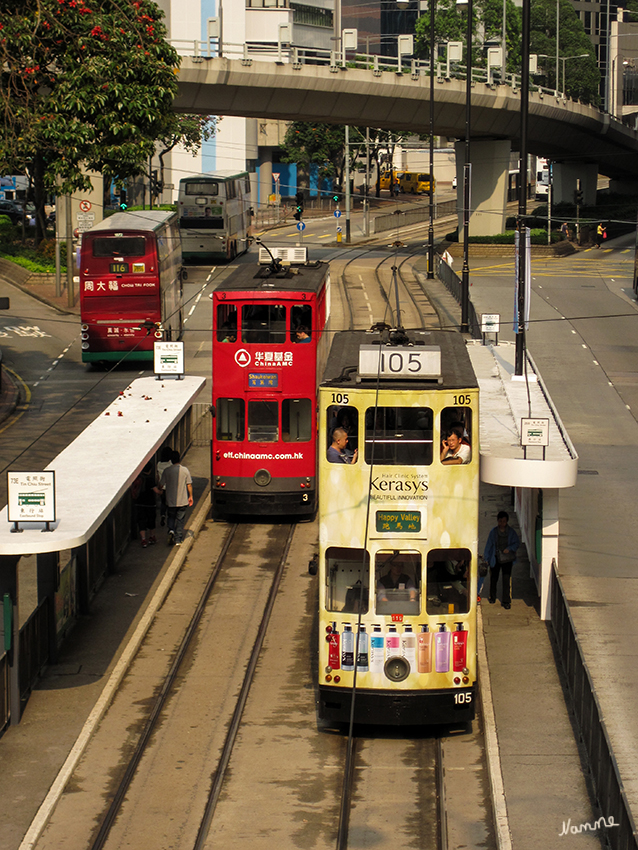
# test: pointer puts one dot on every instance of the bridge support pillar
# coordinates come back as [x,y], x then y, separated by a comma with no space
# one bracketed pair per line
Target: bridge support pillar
[565,176]
[488,190]
[265,176]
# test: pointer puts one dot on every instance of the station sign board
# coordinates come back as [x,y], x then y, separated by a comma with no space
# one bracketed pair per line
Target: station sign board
[168,358]
[31,496]
[534,432]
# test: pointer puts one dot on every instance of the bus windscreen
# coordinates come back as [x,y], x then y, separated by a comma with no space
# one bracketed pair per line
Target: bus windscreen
[201,187]
[119,246]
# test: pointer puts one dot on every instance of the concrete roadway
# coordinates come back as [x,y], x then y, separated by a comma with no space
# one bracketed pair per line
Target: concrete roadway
[583,337]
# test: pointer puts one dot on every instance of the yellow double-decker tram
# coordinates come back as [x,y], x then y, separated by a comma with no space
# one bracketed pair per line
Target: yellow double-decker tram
[398,510]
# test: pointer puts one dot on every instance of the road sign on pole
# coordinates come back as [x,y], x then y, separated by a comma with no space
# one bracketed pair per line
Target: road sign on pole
[337,213]
[301,226]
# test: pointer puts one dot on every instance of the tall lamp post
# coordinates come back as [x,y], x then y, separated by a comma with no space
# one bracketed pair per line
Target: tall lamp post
[465,273]
[431,225]
[522,195]
[563,60]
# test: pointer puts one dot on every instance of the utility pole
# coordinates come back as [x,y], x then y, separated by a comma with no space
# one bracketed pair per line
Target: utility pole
[69,252]
[522,194]
[347,183]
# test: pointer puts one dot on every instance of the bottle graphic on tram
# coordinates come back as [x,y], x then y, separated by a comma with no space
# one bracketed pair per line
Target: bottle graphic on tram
[334,655]
[442,650]
[362,653]
[459,648]
[377,654]
[347,647]
[392,642]
[424,649]
[408,647]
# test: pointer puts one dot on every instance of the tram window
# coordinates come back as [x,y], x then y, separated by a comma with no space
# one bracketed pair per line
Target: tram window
[296,420]
[263,323]
[301,318]
[346,569]
[229,416]
[399,436]
[343,416]
[226,323]
[456,423]
[263,421]
[203,187]
[398,582]
[448,581]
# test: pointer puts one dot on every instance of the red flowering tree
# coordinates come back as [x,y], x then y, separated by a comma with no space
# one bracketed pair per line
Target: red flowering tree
[84,85]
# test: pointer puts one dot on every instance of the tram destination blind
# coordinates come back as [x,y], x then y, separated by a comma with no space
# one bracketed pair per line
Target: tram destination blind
[423,361]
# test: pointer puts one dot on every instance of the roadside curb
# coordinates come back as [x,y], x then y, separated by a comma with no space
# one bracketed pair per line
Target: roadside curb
[9,394]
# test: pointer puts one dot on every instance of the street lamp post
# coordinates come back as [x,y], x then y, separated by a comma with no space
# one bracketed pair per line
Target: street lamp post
[522,196]
[430,274]
[465,273]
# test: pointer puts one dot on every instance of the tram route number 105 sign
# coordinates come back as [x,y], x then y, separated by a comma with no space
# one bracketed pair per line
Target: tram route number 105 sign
[422,361]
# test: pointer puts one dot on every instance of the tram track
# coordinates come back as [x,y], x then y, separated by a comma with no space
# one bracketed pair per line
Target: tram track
[177,704]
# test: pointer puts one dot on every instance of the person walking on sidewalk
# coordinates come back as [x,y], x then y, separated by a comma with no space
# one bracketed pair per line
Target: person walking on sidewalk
[177,483]
[500,554]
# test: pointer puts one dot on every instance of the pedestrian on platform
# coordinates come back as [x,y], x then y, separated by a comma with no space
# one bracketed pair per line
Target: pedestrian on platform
[143,491]
[601,233]
[166,459]
[177,483]
[500,554]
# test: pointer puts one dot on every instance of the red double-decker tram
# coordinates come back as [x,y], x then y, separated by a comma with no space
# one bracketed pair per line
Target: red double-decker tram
[130,285]
[269,343]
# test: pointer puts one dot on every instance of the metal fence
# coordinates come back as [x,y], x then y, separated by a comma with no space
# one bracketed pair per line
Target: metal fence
[416,215]
[607,783]
[453,283]
[201,424]
[34,647]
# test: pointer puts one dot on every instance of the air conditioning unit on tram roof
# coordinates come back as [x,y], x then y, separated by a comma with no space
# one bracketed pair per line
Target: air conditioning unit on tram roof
[288,256]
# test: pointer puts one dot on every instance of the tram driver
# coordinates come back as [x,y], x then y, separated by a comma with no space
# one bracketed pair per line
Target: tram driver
[337,451]
[395,580]
[454,449]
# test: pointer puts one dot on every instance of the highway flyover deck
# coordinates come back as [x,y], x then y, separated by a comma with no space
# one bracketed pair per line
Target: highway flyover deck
[558,128]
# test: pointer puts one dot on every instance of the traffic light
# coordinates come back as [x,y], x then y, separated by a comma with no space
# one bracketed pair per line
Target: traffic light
[299,210]
[578,197]
[335,198]
[123,204]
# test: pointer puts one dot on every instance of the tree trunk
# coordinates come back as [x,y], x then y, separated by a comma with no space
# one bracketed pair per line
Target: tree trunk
[39,198]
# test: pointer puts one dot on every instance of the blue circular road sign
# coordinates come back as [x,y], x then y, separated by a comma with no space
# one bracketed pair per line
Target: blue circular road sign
[301,226]
[337,213]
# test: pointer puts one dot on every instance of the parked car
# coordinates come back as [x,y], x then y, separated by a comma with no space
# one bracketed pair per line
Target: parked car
[11,209]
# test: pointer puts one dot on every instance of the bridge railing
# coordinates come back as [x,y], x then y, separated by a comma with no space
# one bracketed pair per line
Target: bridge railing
[299,56]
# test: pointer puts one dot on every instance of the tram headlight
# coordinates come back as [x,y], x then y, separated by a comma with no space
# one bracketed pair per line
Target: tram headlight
[84,327]
[85,336]
[397,669]
[262,477]
[85,345]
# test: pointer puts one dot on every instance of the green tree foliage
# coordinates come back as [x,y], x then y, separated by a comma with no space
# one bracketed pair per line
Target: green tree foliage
[84,85]
[308,143]
[582,77]
[189,131]
[451,25]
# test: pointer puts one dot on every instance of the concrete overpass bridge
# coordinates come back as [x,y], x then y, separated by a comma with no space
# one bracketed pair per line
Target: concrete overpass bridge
[582,139]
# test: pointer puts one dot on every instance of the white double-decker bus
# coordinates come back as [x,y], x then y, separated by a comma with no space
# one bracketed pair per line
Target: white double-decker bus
[214,215]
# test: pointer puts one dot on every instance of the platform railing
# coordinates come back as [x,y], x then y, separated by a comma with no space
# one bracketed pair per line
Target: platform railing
[299,56]
[452,282]
[608,786]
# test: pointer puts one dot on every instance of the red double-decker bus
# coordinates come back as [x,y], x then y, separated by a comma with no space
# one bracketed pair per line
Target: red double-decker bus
[130,285]
[268,345]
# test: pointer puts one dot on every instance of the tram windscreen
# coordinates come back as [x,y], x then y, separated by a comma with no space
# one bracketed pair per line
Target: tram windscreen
[398,582]
[399,436]
[119,246]
[448,581]
[346,569]
[263,323]
[263,421]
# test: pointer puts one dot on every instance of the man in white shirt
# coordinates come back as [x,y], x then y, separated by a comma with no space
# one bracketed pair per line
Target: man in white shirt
[177,483]
[453,449]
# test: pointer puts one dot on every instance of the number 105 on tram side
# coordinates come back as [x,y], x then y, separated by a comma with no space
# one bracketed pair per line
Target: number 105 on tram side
[398,514]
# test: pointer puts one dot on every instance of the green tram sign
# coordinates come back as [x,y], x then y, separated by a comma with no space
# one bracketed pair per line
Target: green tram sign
[401,521]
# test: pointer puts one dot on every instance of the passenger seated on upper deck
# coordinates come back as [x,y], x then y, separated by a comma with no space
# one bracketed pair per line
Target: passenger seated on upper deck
[302,335]
[394,580]
[453,449]
[337,451]
[228,330]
